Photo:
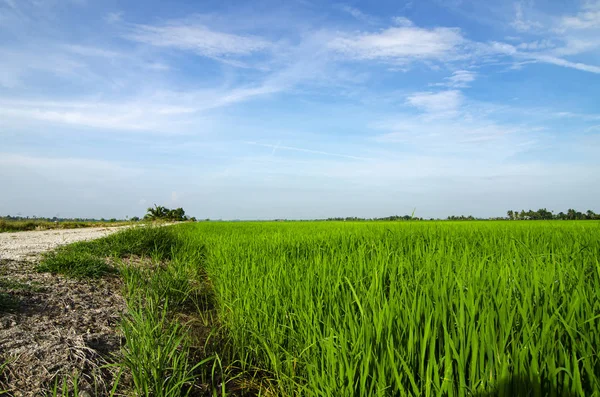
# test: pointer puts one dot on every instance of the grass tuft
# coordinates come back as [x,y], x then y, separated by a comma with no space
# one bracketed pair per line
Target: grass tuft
[76,262]
[88,259]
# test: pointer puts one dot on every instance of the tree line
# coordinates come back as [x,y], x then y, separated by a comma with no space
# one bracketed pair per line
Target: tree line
[543,213]
[387,218]
[531,215]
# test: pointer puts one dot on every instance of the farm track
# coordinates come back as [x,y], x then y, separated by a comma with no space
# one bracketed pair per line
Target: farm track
[29,245]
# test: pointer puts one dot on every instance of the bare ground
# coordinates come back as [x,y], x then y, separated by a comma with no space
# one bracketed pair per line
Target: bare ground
[53,326]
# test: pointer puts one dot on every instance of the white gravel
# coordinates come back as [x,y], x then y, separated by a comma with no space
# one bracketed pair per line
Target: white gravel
[28,245]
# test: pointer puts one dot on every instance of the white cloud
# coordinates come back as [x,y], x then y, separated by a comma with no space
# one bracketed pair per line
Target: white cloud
[577,45]
[17,63]
[549,57]
[197,38]
[588,18]
[501,48]
[82,167]
[121,115]
[158,66]
[536,45]
[460,79]
[358,14]
[438,103]
[564,63]
[304,150]
[401,44]
[156,111]
[91,51]
[521,23]
[403,21]
[114,17]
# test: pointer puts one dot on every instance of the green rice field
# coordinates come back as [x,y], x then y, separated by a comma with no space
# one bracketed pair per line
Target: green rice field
[409,308]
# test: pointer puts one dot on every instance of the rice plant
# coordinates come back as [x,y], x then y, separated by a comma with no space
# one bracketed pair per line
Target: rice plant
[428,309]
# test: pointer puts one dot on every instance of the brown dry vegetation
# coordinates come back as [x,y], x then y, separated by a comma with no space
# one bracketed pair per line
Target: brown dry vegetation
[52,327]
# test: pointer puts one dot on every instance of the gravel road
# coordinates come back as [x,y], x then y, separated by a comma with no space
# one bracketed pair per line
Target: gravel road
[27,246]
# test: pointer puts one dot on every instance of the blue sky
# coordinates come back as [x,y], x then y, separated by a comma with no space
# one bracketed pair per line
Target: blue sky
[298,109]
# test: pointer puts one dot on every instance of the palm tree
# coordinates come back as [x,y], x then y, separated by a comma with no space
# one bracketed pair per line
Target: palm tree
[157,212]
[590,214]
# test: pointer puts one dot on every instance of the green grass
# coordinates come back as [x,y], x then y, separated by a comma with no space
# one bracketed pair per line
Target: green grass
[3,368]
[433,309]
[91,259]
[157,351]
[8,302]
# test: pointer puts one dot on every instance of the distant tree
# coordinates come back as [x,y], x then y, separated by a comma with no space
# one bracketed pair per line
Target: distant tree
[156,212]
[160,212]
[510,214]
[543,213]
[135,218]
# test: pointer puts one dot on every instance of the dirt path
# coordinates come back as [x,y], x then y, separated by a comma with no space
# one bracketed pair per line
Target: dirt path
[54,326]
[28,245]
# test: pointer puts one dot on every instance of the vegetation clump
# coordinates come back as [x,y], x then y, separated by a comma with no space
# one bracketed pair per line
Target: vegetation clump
[159,212]
[92,259]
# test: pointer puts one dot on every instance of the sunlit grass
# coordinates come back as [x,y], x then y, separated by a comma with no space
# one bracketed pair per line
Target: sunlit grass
[342,309]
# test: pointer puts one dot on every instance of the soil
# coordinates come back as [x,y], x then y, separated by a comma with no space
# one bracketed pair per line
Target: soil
[54,327]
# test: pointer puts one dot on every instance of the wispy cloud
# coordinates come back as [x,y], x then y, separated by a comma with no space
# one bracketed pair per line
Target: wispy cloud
[80,166]
[521,23]
[402,21]
[459,79]
[565,63]
[588,18]
[17,64]
[401,44]
[358,14]
[437,103]
[138,115]
[196,37]
[157,111]
[88,51]
[113,17]
[536,45]
[540,56]
[462,78]
[303,150]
